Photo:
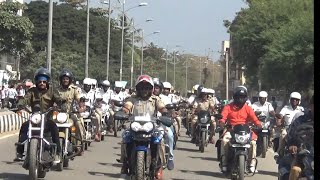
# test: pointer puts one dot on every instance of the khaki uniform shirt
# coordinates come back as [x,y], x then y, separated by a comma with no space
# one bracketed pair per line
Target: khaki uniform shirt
[155,102]
[70,94]
[200,105]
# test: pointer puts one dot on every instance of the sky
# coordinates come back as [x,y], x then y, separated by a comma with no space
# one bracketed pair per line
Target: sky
[194,25]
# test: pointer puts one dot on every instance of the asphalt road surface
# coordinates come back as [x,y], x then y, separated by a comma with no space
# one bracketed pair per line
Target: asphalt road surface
[99,162]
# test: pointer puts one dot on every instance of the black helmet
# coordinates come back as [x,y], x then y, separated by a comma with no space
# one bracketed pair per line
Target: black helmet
[42,73]
[66,73]
[199,90]
[238,92]
[157,82]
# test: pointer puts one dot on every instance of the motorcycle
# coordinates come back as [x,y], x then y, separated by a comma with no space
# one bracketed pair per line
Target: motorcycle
[118,124]
[238,152]
[202,129]
[67,138]
[89,133]
[305,155]
[40,148]
[171,108]
[263,135]
[104,119]
[143,141]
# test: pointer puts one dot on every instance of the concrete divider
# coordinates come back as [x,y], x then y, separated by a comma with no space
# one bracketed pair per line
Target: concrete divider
[10,121]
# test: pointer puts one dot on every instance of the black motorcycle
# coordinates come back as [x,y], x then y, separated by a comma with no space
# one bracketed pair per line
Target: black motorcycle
[202,129]
[263,136]
[118,125]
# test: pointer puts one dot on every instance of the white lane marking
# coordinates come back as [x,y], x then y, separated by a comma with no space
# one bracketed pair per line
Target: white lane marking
[8,135]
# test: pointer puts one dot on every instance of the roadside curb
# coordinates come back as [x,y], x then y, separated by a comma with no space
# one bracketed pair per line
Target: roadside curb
[12,121]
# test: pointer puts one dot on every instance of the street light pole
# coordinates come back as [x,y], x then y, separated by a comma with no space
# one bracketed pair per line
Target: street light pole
[174,69]
[108,45]
[167,63]
[49,36]
[141,70]
[186,75]
[122,33]
[200,72]
[227,74]
[132,50]
[87,43]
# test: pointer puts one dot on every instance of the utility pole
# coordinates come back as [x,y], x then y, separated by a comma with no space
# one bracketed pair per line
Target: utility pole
[108,46]
[167,63]
[49,36]
[87,43]
[174,69]
[132,50]
[141,71]
[227,73]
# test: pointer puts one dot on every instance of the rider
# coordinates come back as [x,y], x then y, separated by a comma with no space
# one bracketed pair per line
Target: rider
[238,112]
[144,88]
[284,119]
[203,103]
[116,95]
[292,140]
[262,107]
[40,95]
[89,95]
[106,96]
[194,95]
[67,91]
[158,86]
[167,98]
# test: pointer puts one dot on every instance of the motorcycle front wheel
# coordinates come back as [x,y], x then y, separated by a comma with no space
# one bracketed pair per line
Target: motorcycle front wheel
[241,167]
[33,159]
[140,166]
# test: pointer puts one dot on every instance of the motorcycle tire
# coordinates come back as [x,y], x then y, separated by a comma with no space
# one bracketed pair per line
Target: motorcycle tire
[102,137]
[115,128]
[60,165]
[202,142]
[241,167]
[140,166]
[66,163]
[85,146]
[33,159]
[264,147]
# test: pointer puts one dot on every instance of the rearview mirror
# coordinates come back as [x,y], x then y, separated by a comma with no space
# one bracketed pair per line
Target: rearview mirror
[118,103]
[165,120]
[120,115]
[170,106]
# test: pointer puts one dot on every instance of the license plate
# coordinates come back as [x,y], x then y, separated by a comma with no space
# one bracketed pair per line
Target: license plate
[264,130]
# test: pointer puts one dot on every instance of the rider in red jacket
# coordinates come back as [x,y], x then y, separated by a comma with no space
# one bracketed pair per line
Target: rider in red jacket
[238,112]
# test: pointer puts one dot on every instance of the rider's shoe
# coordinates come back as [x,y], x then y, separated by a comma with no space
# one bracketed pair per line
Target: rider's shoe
[170,164]
[97,139]
[19,157]
[159,173]
[193,140]
[56,159]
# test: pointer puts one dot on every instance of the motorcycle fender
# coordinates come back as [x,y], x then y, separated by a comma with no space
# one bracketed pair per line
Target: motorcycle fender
[62,135]
[142,148]
[241,153]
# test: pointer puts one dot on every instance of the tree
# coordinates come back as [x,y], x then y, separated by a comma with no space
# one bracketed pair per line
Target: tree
[15,31]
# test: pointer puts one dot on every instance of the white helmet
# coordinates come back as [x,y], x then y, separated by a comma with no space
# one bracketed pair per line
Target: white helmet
[77,83]
[166,85]
[106,83]
[205,90]
[87,81]
[295,95]
[211,91]
[263,94]
[94,81]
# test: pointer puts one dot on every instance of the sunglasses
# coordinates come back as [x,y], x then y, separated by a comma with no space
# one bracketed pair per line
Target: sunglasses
[144,87]
[43,82]
[294,99]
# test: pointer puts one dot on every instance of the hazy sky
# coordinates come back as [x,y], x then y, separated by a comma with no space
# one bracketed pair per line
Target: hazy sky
[195,25]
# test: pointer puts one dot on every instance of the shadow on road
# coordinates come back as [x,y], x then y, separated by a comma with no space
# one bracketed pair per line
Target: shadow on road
[13,162]
[13,176]
[110,164]
[204,158]
[186,149]
[184,140]
[113,175]
[206,173]
[116,147]
[269,173]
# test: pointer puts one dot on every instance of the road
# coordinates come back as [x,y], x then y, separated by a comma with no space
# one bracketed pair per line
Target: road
[99,162]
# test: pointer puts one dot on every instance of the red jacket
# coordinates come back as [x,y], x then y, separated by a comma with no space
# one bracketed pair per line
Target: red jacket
[239,116]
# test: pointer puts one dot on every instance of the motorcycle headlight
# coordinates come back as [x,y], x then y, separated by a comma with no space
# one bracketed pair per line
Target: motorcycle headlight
[312,165]
[36,118]
[62,117]
[203,120]
[242,139]
[147,127]
[135,126]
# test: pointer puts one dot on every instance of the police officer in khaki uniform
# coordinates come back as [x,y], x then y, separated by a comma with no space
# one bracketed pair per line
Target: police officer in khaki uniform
[40,95]
[203,103]
[144,89]
[68,92]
